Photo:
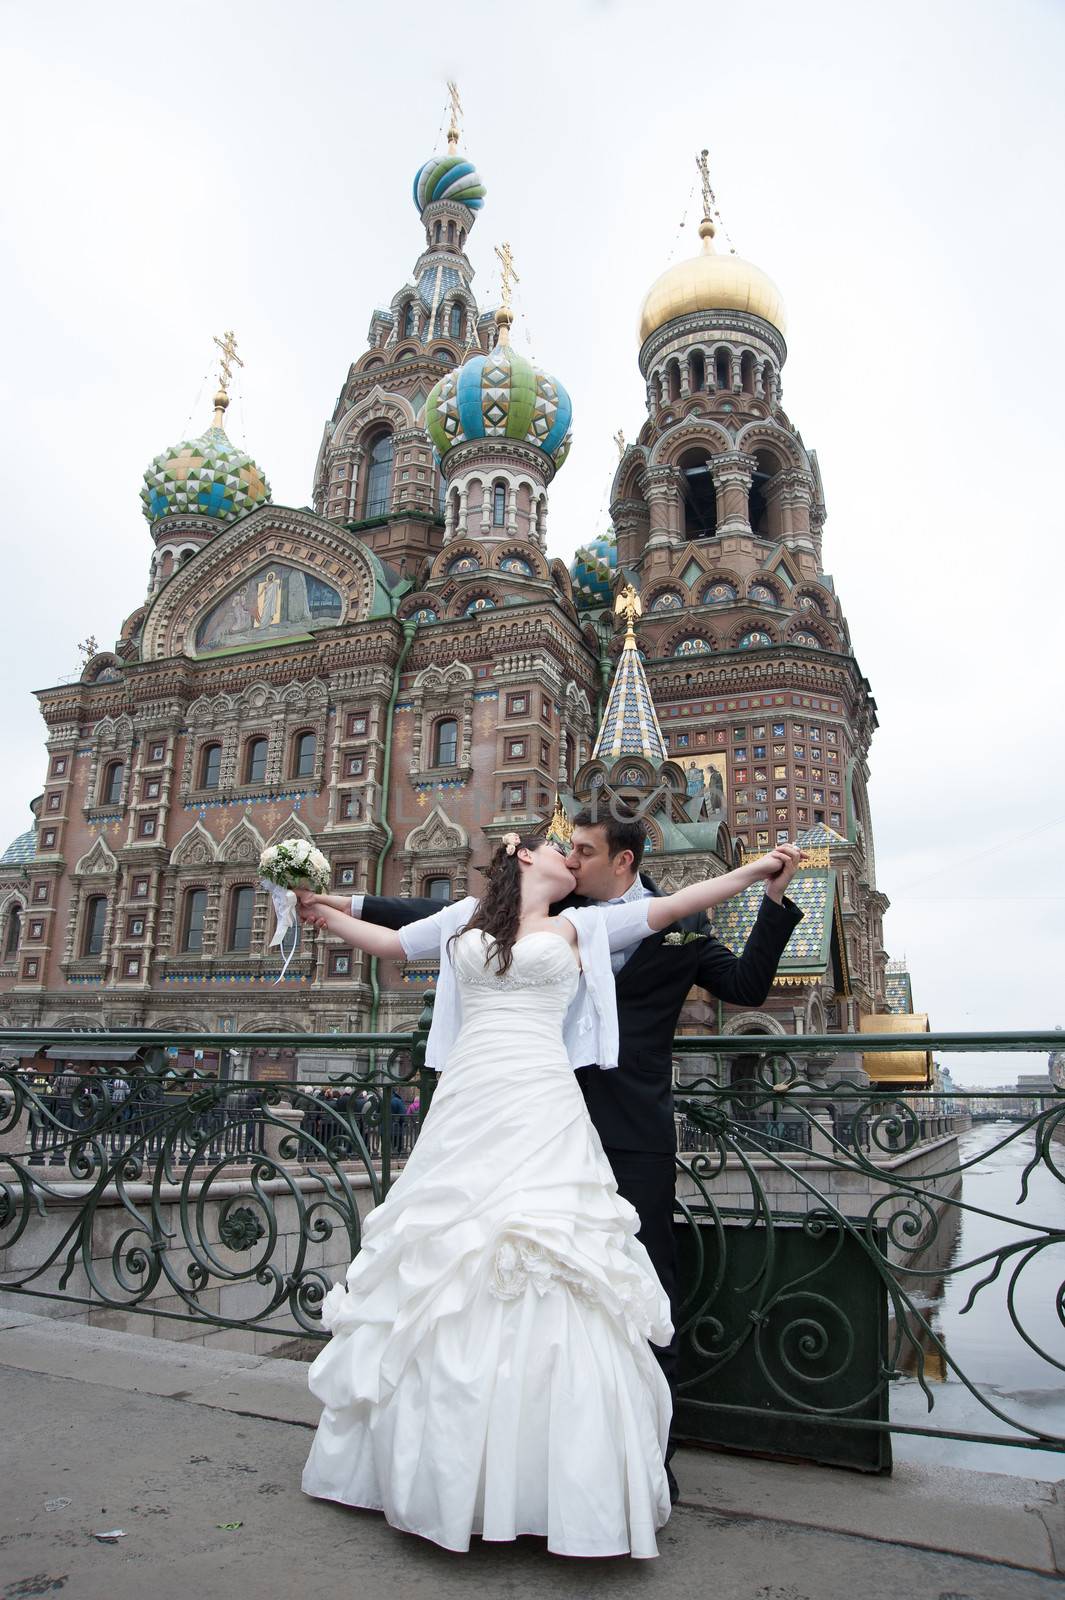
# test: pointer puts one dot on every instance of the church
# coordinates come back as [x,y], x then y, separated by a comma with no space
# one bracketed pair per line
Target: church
[401,671]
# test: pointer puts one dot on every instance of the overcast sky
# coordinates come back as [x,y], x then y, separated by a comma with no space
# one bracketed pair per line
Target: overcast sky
[174,170]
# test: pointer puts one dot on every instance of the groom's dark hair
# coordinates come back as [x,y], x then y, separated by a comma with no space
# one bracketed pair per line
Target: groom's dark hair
[623,828]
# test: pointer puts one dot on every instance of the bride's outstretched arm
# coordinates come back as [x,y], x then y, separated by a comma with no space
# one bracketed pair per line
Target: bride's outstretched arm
[776,869]
[368,936]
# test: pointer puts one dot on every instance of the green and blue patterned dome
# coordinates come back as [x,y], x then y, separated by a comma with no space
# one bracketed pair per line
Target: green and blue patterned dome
[592,571]
[500,396]
[206,477]
[450,177]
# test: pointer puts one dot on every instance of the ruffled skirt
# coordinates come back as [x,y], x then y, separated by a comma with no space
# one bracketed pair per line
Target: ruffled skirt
[490,1370]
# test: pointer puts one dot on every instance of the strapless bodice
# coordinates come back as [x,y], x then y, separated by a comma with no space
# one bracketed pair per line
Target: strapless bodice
[528,1001]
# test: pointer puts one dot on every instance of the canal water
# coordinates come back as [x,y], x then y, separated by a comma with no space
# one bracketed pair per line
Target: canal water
[983,1342]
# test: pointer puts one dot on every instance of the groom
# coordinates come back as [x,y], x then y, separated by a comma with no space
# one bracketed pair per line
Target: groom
[632,1108]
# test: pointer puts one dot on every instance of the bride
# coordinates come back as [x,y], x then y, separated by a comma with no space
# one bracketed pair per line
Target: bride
[490,1369]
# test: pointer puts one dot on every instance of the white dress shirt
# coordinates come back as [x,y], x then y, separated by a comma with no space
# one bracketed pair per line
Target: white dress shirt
[637,890]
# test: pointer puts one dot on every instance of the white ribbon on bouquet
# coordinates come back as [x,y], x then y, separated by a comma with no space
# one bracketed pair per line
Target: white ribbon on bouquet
[285,911]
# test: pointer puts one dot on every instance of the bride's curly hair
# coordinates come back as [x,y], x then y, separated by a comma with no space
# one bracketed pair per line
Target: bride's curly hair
[499,910]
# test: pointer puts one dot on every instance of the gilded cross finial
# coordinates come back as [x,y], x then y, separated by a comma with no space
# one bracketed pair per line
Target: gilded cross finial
[628,605]
[88,648]
[702,161]
[228,346]
[456,112]
[619,440]
[508,275]
[504,316]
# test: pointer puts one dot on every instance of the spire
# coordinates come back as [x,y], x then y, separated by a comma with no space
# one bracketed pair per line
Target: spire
[630,724]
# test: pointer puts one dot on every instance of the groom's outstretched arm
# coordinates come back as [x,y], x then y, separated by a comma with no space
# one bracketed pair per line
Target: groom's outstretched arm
[392,911]
[746,979]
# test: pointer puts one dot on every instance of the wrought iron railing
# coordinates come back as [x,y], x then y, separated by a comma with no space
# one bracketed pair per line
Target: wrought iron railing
[171,1192]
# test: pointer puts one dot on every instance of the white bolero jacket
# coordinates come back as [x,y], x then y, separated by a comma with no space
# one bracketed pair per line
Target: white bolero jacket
[590,1026]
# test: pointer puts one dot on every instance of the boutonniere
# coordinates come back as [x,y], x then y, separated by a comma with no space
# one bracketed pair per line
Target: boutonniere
[683,938]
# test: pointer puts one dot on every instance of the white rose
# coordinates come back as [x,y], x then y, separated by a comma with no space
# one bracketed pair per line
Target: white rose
[268,857]
[301,849]
[318,861]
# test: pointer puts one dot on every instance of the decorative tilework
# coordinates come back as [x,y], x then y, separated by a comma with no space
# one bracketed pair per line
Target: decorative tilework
[808,949]
[20,850]
[820,833]
[898,992]
[500,396]
[630,724]
[207,477]
[592,571]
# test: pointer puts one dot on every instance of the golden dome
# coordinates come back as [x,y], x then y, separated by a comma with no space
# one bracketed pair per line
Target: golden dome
[710,282]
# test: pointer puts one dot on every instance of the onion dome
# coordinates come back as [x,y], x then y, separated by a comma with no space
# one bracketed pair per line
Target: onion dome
[500,396]
[207,477]
[592,571]
[450,177]
[711,283]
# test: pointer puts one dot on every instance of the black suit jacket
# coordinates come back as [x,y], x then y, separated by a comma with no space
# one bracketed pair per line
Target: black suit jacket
[632,1107]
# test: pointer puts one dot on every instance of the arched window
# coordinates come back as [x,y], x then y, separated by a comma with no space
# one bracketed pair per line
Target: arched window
[462,238]
[697,371]
[747,372]
[673,376]
[255,761]
[700,496]
[723,369]
[455,326]
[767,380]
[95,917]
[766,468]
[14,931]
[112,790]
[379,477]
[192,924]
[499,505]
[303,755]
[438,889]
[437,230]
[446,743]
[210,766]
[241,906]
[451,233]
[409,322]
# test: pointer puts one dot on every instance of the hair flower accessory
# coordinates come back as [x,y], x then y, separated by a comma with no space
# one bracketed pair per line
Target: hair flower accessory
[512,841]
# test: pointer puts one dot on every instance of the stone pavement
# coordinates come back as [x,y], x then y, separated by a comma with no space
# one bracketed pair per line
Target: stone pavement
[107,1431]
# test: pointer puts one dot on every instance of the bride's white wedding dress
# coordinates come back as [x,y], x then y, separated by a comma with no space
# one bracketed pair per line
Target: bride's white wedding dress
[489,1370]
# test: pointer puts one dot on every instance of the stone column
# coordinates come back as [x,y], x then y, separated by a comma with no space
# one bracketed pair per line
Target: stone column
[733,475]
[630,519]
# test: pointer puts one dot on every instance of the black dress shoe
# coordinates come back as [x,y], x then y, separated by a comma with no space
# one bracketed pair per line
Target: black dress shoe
[674,1492]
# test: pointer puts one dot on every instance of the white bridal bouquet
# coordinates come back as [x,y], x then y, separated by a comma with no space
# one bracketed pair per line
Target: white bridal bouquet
[283,868]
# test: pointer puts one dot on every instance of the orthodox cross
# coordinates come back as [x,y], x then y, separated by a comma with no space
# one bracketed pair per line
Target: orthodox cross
[228,346]
[702,161]
[509,276]
[628,605]
[456,112]
[619,440]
